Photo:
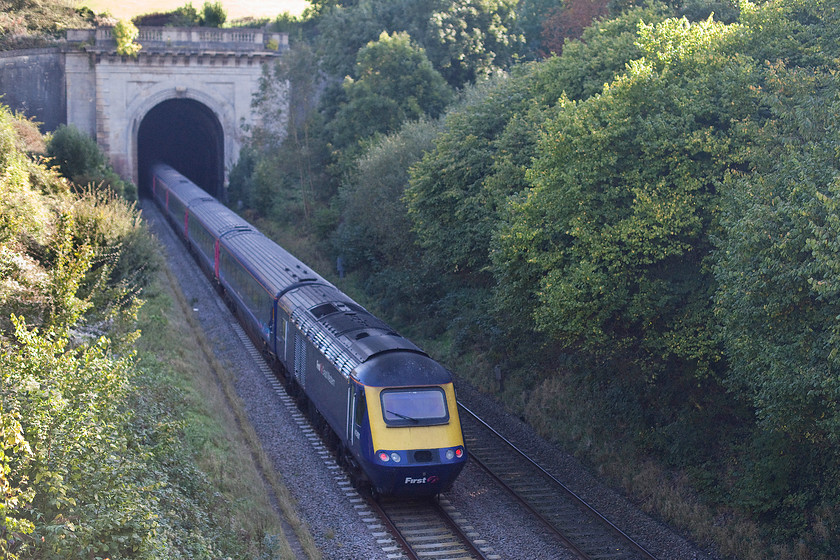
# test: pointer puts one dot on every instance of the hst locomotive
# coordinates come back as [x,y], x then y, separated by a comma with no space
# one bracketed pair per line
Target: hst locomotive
[388,405]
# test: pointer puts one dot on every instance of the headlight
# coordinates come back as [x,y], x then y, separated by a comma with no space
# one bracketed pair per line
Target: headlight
[454,453]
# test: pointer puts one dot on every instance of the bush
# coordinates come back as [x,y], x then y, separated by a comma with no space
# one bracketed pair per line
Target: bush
[185,16]
[74,152]
[89,492]
[125,252]
[214,15]
[125,33]
[21,209]
[79,158]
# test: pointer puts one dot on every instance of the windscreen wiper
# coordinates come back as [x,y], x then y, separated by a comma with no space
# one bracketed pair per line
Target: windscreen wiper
[403,416]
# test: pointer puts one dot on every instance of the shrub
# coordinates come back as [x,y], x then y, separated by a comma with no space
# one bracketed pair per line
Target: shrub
[214,15]
[125,259]
[79,158]
[74,152]
[126,32]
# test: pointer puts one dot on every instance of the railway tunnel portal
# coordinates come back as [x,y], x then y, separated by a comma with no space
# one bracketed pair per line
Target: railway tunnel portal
[186,99]
[186,134]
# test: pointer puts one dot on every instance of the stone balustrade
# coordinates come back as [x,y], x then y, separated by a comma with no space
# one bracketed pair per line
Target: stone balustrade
[187,39]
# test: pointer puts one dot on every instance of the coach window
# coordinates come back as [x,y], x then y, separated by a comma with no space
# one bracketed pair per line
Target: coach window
[205,241]
[176,207]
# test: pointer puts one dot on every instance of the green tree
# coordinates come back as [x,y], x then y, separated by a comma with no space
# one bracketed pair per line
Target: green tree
[459,191]
[799,32]
[464,39]
[214,15]
[185,16]
[453,211]
[778,261]
[612,242]
[375,232]
[282,171]
[467,40]
[343,31]
[777,272]
[393,83]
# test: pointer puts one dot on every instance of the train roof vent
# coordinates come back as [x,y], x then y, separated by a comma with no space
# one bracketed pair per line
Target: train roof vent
[323,310]
[348,321]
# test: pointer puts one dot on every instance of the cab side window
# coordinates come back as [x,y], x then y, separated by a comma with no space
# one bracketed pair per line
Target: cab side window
[361,407]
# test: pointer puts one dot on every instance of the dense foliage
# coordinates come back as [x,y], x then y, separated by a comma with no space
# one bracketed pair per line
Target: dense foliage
[80,159]
[212,14]
[125,33]
[464,40]
[652,212]
[393,82]
[648,217]
[93,458]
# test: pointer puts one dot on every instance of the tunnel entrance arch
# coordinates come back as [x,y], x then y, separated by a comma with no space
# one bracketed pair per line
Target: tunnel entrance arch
[187,135]
[110,96]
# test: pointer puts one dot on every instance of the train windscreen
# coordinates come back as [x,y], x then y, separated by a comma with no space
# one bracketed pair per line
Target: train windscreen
[414,407]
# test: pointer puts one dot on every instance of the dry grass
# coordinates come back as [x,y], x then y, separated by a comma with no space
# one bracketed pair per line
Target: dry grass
[30,138]
[235,8]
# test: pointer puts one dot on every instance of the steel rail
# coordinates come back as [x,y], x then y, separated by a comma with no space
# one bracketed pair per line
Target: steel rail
[453,525]
[393,527]
[580,502]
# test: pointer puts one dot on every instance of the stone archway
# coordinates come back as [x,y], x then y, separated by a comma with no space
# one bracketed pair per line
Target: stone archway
[198,125]
[201,81]
[187,135]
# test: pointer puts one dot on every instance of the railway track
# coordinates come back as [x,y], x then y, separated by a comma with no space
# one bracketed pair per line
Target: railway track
[426,529]
[585,531]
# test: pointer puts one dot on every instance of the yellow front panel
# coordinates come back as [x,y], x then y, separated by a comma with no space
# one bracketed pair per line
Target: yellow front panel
[408,438]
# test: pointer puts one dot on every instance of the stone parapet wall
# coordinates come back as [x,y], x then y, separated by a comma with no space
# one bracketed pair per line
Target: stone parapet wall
[195,39]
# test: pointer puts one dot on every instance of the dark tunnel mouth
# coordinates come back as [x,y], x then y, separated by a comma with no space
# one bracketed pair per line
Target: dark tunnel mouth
[187,135]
